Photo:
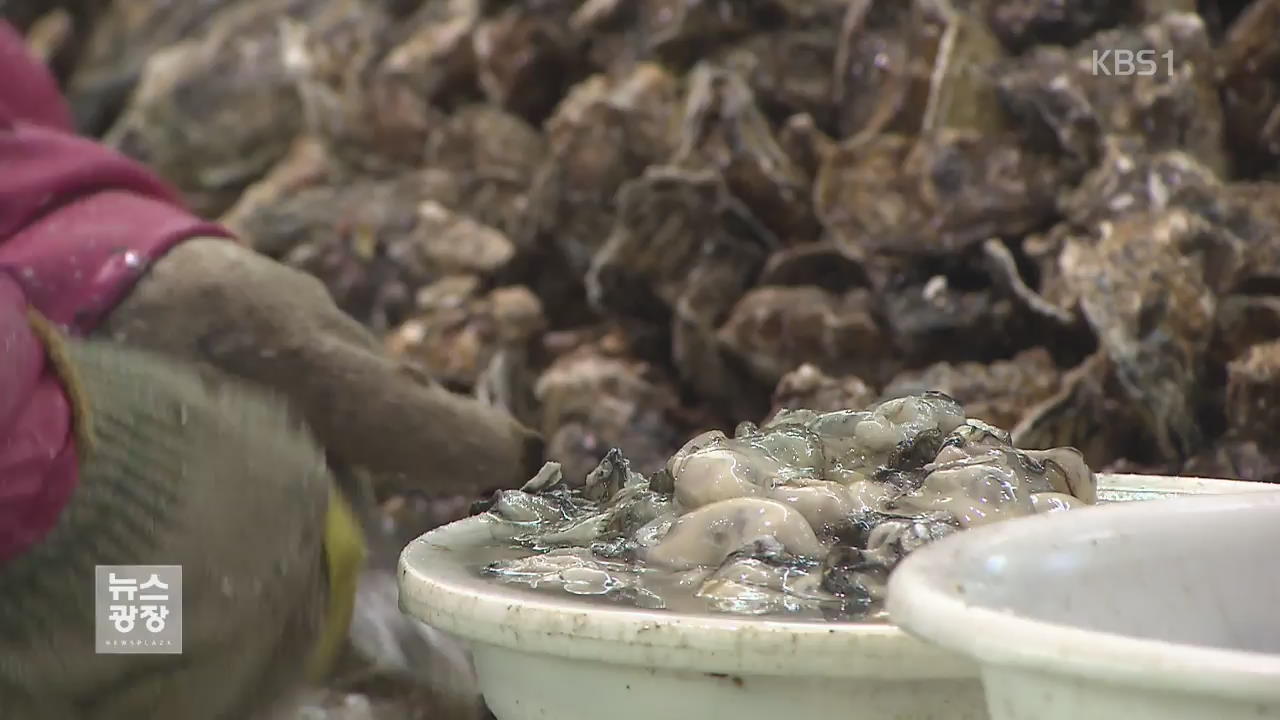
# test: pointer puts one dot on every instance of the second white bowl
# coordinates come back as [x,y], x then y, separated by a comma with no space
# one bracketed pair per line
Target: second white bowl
[1145,611]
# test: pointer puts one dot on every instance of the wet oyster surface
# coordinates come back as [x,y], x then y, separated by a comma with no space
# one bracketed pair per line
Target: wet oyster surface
[804,516]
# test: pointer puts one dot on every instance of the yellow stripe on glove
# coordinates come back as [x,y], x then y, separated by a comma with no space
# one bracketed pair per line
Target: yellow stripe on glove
[344,555]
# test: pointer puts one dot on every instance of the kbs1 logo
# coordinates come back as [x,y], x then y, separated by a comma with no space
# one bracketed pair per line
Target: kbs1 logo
[1124,63]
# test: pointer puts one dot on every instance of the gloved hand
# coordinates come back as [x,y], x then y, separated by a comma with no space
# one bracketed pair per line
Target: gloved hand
[222,304]
[175,468]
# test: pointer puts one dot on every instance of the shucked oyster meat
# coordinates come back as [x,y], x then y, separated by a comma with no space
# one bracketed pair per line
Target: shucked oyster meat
[805,515]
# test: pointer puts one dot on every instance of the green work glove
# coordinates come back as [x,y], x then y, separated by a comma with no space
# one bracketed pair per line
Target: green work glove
[180,468]
[213,301]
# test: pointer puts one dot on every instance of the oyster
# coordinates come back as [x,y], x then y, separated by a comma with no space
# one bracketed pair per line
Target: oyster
[998,393]
[525,58]
[1241,322]
[913,68]
[806,514]
[1243,459]
[120,37]
[677,31]
[213,114]
[591,401]
[789,72]
[1252,381]
[950,313]
[373,242]
[1061,102]
[1090,411]
[1148,291]
[809,387]
[763,578]
[1023,23]
[492,157]
[683,249]
[951,191]
[602,134]
[1250,70]
[724,129]
[372,112]
[1128,179]
[776,329]
[457,332]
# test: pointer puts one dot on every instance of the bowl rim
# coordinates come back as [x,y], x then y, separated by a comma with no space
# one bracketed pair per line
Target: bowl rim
[452,598]
[436,589]
[929,605]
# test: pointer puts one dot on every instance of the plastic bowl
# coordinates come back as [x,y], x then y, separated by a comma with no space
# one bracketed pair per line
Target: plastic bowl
[1147,611]
[544,656]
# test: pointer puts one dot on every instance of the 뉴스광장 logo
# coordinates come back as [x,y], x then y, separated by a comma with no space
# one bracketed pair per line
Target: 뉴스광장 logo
[138,608]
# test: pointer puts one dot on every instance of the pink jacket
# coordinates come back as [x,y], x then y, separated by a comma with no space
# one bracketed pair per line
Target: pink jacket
[79,224]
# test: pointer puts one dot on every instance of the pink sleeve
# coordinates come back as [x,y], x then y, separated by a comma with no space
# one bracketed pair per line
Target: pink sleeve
[38,464]
[79,222]
[28,90]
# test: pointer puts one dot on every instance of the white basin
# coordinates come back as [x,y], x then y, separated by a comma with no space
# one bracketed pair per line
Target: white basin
[544,656]
[1143,611]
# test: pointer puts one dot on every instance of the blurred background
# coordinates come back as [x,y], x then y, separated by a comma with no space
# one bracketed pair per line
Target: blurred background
[629,220]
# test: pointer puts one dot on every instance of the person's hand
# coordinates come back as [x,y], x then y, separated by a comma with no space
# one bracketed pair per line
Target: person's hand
[174,468]
[223,304]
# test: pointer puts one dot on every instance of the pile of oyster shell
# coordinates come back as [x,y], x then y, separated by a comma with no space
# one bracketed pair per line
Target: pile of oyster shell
[806,514]
[627,220]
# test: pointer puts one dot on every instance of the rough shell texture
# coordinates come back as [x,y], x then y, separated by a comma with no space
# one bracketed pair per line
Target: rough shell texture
[998,392]
[592,401]
[458,333]
[1147,272]
[808,387]
[214,113]
[775,329]
[1252,405]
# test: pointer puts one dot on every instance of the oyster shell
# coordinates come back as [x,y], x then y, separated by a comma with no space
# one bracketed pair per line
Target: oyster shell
[1241,322]
[120,38]
[373,242]
[459,333]
[526,58]
[776,329]
[492,156]
[368,107]
[213,114]
[1249,63]
[603,134]
[724,129]
[1152,306]
[809,387]
[683,249]
[951,191]
[1252,381]
[1021,24]
[592,402]
[1060,101]
[999,393]
[1090,411]
[1242,459]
